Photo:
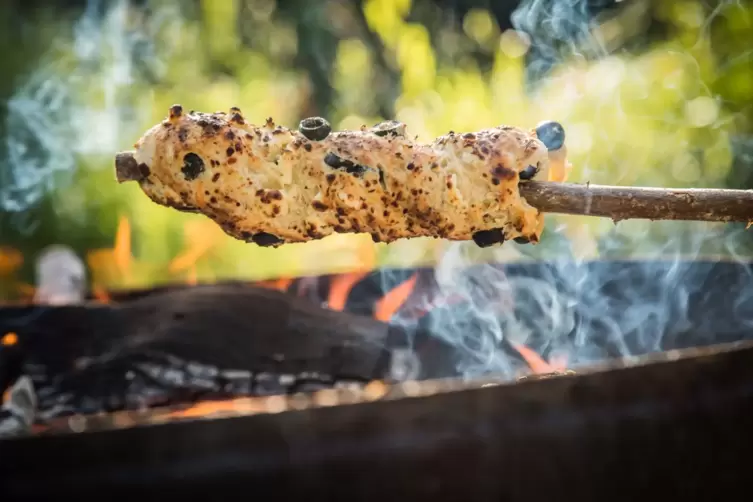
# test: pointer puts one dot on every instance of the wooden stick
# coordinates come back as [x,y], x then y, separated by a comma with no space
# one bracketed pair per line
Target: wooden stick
[623,203]
[618,203]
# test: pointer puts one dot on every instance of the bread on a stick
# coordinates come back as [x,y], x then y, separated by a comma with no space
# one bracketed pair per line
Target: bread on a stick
[271,185]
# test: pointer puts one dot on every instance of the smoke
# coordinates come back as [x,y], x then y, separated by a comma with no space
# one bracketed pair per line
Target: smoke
[575,297]
[80,101]
[559,30]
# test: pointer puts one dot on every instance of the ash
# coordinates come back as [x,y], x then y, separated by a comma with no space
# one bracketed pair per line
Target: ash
[148,380]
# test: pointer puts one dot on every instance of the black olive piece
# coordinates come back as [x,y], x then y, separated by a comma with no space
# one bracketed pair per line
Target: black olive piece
[337,162]
[264,239]
[193,166]
[529,172]
[389,127]
[314,128]
[522,240]
[488,238]
[552,134]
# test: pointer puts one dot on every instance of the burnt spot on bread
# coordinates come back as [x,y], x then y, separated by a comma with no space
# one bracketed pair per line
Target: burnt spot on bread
[210,124]
[503,173]
[193,166]
[215,177]
[230,135]
[144,170]
[263,239]
[336,162]
[232,160]
[183,134]
[237,118]
[488,238]
[229,152]
[319,205]
[381,178]
[267,196]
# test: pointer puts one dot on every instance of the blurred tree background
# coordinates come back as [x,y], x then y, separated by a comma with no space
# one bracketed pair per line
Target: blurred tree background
[650,92]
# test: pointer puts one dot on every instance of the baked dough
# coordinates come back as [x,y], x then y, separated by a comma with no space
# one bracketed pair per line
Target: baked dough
[271,185]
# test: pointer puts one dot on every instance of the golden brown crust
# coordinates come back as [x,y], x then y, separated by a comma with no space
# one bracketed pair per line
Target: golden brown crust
[271,185]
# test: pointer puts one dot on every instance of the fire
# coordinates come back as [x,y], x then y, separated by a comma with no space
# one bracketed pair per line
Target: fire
[340,287]
[112,265]
[9,339]
[10,261]
[200,237]
[281,284]
[394,299]
[537,364]
[116,265]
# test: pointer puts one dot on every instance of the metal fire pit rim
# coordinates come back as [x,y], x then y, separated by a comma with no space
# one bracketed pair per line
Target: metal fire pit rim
[302,404]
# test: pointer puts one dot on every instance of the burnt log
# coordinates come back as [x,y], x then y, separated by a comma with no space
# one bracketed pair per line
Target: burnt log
[204,341]
[182,344]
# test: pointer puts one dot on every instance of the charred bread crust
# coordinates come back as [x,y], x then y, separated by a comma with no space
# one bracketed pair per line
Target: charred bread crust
[271,185]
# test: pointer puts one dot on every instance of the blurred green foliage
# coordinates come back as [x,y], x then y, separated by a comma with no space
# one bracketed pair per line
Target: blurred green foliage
[643,109]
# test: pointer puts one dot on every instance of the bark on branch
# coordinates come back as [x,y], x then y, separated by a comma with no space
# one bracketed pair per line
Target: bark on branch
[623,203]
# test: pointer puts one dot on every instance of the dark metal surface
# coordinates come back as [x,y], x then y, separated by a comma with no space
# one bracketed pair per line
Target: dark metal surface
[677,428]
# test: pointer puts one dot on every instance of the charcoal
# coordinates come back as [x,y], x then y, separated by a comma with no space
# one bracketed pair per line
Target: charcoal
[17,413]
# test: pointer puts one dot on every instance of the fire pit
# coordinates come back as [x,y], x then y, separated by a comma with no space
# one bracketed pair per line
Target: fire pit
[228,387]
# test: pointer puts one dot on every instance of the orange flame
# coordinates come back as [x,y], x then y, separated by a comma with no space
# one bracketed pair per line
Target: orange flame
[281,284]
[10,260]
[391,302]
[340,287]
[536,363]
[122,249]
[112,264]
[200,238]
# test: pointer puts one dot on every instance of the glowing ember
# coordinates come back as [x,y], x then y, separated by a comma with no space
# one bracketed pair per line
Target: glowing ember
[281,284]
[9,339]
[536,363]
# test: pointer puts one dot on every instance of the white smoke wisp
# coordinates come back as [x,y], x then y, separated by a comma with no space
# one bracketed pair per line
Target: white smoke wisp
[630,294]
[80,100]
